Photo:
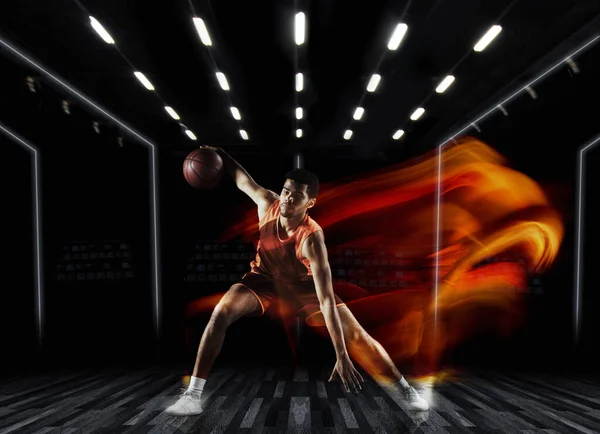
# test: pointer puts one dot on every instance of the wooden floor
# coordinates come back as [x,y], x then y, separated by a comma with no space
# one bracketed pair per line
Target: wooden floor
[262,399]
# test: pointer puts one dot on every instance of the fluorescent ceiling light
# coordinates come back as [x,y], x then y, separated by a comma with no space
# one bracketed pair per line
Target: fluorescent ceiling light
[299,113]
[398,134]
[235,113]
[202,31]
[142,78]
[299,28]
[358,113]
[101,31]
[190,134]
[244,134]
[173,113]
[445,84]
[417,113]
[299,133]
[299,82]
[397,36]
[487,38]
[373,82]
[222,81]
[348,134]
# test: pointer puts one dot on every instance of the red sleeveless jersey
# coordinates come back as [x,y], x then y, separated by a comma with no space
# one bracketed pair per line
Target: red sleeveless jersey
[281,259]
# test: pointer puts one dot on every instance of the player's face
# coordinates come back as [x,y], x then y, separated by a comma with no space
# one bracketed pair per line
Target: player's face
[294,199]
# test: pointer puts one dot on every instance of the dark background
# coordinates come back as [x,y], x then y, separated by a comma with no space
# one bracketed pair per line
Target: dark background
[96,191]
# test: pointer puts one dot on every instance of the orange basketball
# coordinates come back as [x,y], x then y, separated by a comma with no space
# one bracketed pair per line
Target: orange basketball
[203,169]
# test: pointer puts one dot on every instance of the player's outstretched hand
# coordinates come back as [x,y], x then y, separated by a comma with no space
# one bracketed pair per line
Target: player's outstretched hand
[350,377]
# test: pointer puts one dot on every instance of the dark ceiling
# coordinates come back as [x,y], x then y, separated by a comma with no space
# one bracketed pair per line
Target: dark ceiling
[253,44]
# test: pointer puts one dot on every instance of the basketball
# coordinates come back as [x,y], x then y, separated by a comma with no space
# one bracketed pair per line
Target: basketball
[203,169]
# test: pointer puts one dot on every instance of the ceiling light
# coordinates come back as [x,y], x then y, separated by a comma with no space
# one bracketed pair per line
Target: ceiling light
[172,112]
[397,36]
[358,113]
[487,38]
[141,77]
[244,134]
[101,31]
[373,83]
[299,82]
[299,113]
[445,84]
[202,31]
[222,81]
[417,113]
[299,133]
[348,134]
[300,28]
[235,113]
[398,134]
[190,134]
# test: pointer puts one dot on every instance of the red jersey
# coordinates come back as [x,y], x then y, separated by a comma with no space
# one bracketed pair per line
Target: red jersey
[280,256]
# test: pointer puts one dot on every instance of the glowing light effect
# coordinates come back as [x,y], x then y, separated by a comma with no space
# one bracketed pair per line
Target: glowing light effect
[469,124]
[37,205]
[299,132]
[27,60]
[244,134]
[373,82]
[487,38]
[101,31]
[417,114]
[347,134]
[499,226]
[299,113]
[300,28]
[445,84]
[173,113]
[142,78]
[190,134]
[202,31]
[579,254]
[222,81]
[397,36]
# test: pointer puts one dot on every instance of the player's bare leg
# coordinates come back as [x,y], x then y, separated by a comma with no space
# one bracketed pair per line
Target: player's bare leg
[237,302]
[375,360]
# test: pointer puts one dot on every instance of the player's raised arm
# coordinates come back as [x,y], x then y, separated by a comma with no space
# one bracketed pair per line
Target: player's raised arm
[260,195]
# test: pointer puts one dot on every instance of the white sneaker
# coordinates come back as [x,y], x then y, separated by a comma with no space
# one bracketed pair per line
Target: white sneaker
[414,400]
[188,404]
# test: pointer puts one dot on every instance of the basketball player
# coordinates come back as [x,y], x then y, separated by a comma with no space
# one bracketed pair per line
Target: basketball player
[291,263]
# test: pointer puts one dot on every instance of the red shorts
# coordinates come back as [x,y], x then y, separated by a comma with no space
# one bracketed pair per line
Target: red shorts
[301,296]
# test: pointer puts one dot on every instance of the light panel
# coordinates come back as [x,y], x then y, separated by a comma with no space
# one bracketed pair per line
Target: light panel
[445,84]
[299,113]
[348,134]
[397,36]
[358,113]
[299,132]
[299,82]
[202,31]
[373,82]
[487,38]
[244,134]
[172,112]
[417,114]
[235,113]
[300,28]
[222,81]
[190,134]
[101,31]
[142,78]
[398,134]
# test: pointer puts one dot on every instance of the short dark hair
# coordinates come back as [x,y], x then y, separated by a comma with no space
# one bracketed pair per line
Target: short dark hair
[303,176]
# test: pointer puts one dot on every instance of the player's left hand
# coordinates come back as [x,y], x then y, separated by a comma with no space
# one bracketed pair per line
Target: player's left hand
[350,377]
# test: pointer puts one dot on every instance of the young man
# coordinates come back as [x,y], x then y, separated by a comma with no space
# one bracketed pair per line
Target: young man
[291,263]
